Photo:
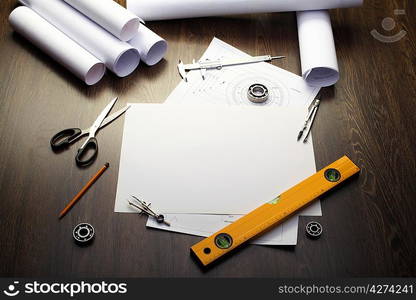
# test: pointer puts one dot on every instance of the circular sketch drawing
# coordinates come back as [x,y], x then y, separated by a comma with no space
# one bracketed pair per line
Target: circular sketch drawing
[236,91]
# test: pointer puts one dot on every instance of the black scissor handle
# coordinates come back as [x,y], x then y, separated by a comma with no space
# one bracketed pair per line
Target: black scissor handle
[64,138]
[88,153]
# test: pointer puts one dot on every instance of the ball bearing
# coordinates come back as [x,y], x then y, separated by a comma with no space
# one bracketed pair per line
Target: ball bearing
[83,233]
[314,230]
[258,93]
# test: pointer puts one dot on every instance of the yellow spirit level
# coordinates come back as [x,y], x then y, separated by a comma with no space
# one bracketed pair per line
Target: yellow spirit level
[274,212]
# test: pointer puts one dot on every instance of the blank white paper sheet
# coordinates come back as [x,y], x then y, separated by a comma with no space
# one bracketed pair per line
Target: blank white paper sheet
[210,159]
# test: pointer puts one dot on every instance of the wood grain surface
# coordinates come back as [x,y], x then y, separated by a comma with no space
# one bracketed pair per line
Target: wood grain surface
[370,115]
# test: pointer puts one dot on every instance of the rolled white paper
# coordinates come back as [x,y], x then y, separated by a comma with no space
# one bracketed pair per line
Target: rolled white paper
[57,45]
[118,56]
[317,48]
[177,9]
[110,15]
[152,48]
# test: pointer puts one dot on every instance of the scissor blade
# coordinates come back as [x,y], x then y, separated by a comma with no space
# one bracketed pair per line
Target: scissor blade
[114,116]
[101,117]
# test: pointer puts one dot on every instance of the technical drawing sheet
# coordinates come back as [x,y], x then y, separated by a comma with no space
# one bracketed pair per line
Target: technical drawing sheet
[230,84]
[205,225]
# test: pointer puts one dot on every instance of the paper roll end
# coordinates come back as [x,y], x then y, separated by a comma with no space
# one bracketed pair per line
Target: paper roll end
[95,74]
[127,62]
[156,53]
[130,29]
[321,76]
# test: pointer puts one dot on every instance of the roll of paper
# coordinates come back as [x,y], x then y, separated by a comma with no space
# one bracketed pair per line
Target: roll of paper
[120,57]
[317,48]
[110,15]
[57,45]
[177,9]
[152,48]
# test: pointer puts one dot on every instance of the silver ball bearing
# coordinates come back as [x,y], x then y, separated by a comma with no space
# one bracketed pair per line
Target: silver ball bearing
[314,230]
[258,93]
[83,233]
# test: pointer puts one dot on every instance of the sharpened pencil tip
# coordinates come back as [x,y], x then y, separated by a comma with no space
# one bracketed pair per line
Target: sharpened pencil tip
[107,164]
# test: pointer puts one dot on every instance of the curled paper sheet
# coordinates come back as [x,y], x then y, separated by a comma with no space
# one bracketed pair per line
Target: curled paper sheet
[317,48]
[57,45]
[120,57]
[110,15]
[177,9]
[152,48]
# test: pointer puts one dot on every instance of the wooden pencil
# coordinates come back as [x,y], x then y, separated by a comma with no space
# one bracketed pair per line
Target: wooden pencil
[83,190]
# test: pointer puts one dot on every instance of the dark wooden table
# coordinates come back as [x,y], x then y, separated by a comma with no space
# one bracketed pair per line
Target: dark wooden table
[370,115]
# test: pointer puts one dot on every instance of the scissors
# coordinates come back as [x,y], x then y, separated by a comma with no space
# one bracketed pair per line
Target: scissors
[68,136]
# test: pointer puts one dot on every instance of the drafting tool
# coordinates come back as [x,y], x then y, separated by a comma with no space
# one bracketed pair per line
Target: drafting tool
[310,118]
[83,190]
[203,66]
[274,212]
[68,136]
[144,208]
